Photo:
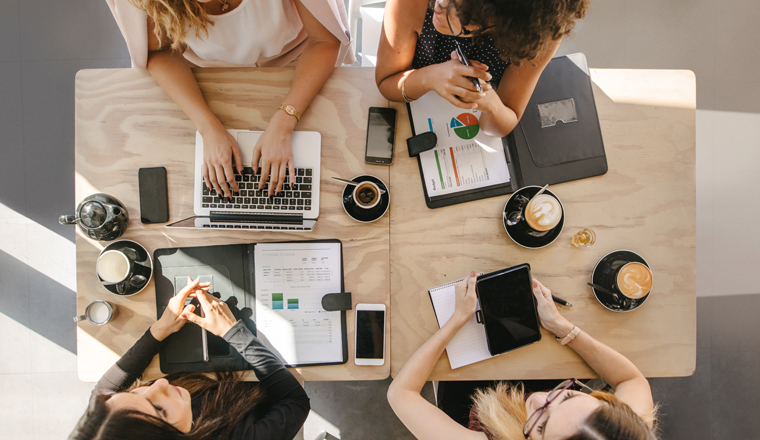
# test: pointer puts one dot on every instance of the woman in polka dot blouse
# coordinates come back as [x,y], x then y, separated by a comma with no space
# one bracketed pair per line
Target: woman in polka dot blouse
[508,43]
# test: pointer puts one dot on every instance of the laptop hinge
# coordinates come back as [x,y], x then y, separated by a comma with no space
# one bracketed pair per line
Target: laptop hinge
[295,218]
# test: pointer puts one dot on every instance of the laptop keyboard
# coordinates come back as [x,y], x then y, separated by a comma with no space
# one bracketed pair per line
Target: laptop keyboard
[296,196]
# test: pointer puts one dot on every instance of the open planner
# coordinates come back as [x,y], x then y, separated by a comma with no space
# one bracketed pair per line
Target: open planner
[469,345]
[557,140]
[277,289]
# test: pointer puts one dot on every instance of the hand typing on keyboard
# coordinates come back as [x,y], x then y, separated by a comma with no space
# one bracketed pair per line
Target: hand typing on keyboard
[275,151]
[219,151]
[296,194]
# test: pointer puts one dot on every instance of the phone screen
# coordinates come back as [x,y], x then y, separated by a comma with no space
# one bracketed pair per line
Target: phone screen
[381,130]
[509,310]
[370,333]
[154,200]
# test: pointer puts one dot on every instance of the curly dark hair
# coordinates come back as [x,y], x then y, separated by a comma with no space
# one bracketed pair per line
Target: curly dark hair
[520,29]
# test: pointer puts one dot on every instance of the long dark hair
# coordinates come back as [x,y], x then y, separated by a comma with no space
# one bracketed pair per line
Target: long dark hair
[225,400]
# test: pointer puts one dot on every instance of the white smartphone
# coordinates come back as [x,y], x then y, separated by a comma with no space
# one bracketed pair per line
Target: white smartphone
[369,346]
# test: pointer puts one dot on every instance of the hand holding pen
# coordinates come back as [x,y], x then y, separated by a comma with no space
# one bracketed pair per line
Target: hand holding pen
[451,81]
[463,59]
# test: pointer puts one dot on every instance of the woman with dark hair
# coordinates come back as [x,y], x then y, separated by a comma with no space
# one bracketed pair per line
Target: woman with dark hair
[508,42]
[194,406]
[504,412]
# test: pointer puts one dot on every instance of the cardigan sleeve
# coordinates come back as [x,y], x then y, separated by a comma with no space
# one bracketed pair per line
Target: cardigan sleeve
[130,367]
[290,404]
[133,24]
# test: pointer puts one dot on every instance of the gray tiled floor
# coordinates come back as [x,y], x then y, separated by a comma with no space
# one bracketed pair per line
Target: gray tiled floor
[44,42]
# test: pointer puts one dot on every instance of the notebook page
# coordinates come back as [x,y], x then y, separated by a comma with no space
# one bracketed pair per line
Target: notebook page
[469,344]
[291,279]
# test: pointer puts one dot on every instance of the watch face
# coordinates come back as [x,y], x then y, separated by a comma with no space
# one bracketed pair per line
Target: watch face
[289,109]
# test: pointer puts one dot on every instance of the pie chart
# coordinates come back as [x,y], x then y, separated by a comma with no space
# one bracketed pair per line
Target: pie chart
[466,125]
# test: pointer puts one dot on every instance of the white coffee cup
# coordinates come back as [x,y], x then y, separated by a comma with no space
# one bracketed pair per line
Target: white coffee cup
[98,313]
[113,266]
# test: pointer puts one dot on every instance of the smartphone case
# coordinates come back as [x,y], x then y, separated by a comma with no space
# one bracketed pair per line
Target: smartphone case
[148,189]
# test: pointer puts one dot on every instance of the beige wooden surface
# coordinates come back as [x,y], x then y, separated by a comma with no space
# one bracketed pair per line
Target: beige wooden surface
[646,203]
[125,121]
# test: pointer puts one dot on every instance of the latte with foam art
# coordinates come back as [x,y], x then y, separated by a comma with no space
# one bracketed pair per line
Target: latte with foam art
[634,280]
[543,212]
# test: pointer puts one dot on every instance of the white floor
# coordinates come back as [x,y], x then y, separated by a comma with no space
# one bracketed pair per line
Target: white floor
[40,395]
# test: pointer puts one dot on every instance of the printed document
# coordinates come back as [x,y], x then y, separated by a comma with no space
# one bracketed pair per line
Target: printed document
[291,279]
[465,157]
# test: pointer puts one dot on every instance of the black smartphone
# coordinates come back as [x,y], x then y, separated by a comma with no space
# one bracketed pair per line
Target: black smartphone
[381,131]
[508,309]
[154,198]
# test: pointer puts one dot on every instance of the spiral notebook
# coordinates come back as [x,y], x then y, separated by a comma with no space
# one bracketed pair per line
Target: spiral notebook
[469,345]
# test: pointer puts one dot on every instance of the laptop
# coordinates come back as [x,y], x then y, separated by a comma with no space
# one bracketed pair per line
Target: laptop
[295,208]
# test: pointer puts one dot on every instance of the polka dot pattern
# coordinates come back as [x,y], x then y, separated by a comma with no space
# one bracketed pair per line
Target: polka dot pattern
[434,48]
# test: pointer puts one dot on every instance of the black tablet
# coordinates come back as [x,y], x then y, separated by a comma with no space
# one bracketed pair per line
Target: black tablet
[508,309]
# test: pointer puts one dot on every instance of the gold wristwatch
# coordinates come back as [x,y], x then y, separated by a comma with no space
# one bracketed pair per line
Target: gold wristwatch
[289,109]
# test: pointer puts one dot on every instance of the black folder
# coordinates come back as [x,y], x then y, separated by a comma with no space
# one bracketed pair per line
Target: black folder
[557,140]
[232,269]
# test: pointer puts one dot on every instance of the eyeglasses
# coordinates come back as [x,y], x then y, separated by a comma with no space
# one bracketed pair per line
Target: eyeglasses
[553,394]
[463,31]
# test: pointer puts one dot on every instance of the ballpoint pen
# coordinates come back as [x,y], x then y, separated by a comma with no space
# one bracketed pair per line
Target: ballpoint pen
[463,59]
[561,301]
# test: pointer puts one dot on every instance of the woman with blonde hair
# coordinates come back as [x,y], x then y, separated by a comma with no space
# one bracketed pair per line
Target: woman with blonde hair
[168,37]
[506,413]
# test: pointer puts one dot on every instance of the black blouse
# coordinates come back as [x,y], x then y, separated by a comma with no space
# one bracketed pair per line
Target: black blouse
[435,48]
[290,404]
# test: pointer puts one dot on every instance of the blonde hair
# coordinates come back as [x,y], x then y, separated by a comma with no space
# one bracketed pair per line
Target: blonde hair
[501,414]
[173,16]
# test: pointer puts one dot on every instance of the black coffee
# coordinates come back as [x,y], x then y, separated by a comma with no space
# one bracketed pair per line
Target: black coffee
[366,195]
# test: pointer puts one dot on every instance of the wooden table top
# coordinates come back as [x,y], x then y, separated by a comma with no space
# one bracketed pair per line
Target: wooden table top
[645,203]
[125,121]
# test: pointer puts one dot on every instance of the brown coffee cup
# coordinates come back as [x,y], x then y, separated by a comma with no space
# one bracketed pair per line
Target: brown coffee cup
[634,280]
[366,194]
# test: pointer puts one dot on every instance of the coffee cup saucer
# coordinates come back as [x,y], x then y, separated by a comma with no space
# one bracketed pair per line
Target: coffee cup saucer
[604,275]
[521,233]
[361,214]
[143,266]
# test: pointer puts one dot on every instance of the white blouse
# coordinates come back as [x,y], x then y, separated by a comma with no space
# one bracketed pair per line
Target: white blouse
[256,33]
[254,30]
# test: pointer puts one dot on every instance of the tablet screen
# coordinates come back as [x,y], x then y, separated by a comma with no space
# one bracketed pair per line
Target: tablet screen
[509,310]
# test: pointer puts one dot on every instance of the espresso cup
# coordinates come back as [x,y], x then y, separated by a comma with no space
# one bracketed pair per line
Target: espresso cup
[114,266]
[543,212]
[98,313]
[366,195]
[634,280]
